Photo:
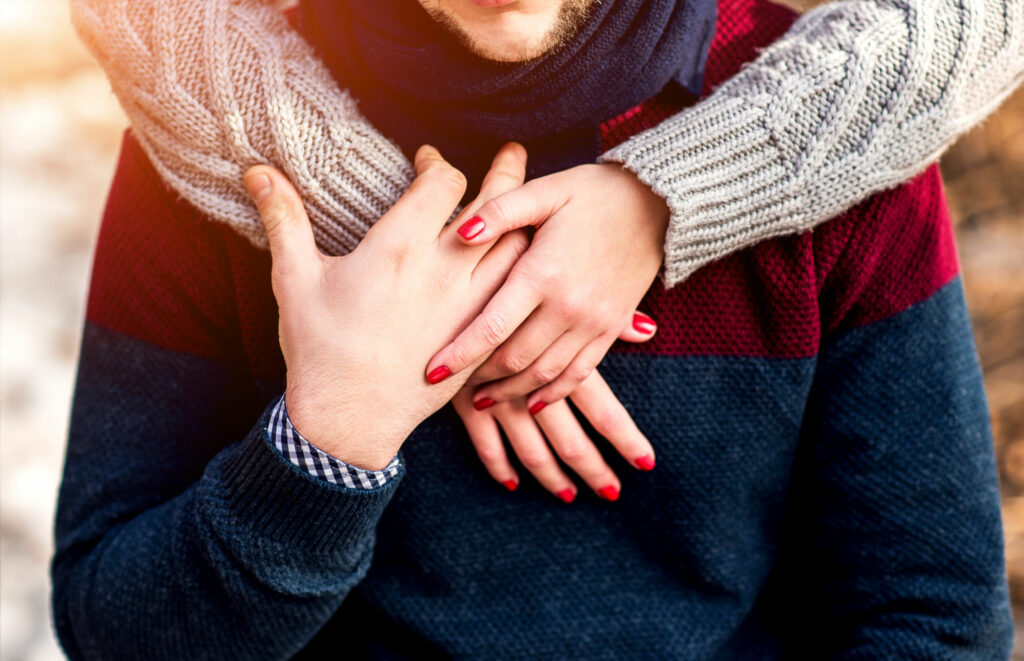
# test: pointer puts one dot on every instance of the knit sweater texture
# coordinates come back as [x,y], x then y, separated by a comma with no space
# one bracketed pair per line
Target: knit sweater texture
[825,484]
[858,96]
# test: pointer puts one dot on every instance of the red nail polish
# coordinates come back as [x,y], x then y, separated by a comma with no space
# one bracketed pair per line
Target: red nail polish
[510,484]
[472,228]
[644,324]
[609,493]
[484,403]
[645,462]
[537,408]
[438,374]
[566,495]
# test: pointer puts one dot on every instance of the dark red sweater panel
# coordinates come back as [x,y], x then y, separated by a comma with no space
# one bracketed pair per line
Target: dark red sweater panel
[166,274]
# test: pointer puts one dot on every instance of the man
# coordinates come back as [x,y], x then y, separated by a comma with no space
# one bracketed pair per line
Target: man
[825,482]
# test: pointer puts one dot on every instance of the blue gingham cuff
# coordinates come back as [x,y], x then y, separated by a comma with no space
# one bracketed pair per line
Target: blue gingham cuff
[296,449]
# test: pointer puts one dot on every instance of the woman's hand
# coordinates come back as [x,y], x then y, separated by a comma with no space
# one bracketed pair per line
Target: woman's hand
[597,249]
[555,428]
[355,329]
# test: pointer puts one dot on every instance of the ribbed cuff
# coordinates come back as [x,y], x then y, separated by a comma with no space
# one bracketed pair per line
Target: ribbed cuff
[724,181]
[367,176]
[284,506]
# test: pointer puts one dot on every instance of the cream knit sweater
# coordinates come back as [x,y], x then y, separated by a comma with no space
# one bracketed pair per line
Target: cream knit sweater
[858,96]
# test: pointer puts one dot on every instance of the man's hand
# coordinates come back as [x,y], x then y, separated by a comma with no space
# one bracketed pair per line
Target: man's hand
[597,249]
[355,330]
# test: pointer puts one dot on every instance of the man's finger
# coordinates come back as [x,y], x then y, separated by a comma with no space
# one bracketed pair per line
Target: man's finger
[507,173]
[530,204]
[503,314]
[289,233]
[428,204]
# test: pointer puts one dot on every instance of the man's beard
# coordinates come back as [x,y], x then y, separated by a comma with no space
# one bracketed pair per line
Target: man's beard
[571,16]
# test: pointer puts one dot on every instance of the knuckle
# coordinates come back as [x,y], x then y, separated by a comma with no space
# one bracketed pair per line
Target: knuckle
[498,211]
[490,454]
[543,277]
[494,330]
[570,307]
[533,460]
[397,251]
[544,374]
[608,422]
[511,362]
[579,373]
[573,451]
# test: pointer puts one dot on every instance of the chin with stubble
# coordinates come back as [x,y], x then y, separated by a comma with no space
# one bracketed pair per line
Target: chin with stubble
[510,30]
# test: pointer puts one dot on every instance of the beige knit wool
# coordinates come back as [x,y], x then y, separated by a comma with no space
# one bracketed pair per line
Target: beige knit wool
[212,87]
[858,96]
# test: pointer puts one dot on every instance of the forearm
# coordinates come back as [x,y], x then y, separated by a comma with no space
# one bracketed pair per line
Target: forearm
[214,87]
[857,97]
[161,557]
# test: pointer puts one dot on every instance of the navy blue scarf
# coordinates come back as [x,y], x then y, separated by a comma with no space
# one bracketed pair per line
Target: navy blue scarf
[418,85]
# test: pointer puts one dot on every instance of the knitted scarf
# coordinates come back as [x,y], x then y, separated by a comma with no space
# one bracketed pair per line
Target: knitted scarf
[418,85]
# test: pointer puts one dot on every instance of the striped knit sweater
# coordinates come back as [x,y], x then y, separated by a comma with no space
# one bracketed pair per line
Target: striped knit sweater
[825,484]
[859,96]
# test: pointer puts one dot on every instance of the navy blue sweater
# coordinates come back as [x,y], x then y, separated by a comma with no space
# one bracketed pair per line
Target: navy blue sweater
[825,484]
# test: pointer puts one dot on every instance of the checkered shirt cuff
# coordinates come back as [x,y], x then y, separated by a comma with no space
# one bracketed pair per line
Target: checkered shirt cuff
[296,449]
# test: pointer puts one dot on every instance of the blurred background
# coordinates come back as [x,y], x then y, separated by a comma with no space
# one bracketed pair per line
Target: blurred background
[60,129]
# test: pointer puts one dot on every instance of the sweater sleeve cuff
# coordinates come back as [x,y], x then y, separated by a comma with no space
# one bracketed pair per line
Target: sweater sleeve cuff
[284,507]
[719,171]
[297,449]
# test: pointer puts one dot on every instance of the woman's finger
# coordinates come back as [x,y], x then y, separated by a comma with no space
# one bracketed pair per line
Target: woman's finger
[508,172]
[486,438]
[530,204]
[504,313]
[579,369]
[640,328]
[520,352]
[577,450]
[532,450]
[490,273]
[549,366]
[609,417]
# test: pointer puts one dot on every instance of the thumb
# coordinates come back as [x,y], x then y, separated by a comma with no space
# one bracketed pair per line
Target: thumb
[530,204]
[289,233]
[641,328]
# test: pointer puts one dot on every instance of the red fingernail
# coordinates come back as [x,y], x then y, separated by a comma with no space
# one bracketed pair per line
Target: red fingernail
[484,403]
[438,374]
[644,324]
[472,228]
[566,495]
[537,408]
[510,484]
[645,462]
[609,493]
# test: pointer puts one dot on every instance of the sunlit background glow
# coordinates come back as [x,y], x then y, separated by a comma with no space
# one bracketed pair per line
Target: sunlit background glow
[60,129]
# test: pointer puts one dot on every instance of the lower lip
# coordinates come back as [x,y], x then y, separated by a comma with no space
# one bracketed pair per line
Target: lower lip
[492,3]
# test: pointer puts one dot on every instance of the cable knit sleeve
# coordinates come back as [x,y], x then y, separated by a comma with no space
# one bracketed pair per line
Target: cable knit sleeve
[212,87]
[857,97]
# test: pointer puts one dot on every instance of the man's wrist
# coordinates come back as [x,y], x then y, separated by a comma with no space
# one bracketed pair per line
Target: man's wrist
[346,437]
[291,444]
